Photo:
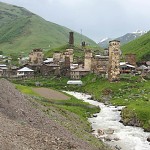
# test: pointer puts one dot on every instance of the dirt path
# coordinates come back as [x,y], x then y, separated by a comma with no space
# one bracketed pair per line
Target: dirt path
[51,94]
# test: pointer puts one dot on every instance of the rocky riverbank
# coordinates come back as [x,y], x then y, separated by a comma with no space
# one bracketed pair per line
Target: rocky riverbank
[24,125]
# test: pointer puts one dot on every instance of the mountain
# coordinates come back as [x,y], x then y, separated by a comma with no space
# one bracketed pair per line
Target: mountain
[123,39]
[21,31]
[104,42]
[130,36]
[140,47]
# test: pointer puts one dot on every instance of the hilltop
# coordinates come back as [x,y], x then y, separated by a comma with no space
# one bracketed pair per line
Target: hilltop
[21,31]
[140,47]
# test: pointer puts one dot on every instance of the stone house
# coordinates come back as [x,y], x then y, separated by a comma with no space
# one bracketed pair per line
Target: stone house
[50,69]
[100,64]
[3,70]
[36,56]
[78,73]
[131,59]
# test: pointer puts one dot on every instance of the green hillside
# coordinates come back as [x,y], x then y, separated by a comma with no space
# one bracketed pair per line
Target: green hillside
[21,31]
[140,47]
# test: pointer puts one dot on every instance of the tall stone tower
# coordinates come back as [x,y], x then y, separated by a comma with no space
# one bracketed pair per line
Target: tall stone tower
[114,61]
[71,38]
[88,60]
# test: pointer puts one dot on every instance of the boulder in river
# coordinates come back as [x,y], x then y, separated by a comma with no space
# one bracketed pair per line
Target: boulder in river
[148,139]
[100,132]
[94,115]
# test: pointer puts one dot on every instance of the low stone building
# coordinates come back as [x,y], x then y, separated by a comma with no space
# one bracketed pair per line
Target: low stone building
[131,59]
[50,69]
[57,57]
[78,73]
[100,64]
[3,70]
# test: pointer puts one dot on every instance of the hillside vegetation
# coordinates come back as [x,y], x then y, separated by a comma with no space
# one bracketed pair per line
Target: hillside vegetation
[21,31]
[140,47]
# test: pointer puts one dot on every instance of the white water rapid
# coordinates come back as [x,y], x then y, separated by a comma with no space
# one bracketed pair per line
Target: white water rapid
[123,137]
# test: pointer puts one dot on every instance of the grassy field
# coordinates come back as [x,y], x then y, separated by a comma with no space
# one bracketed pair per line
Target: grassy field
[131,92]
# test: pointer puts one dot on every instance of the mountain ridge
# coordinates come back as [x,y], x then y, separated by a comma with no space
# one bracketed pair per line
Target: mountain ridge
[128,37]
[22,30]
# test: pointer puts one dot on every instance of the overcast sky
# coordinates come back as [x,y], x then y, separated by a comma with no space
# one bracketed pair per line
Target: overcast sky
[97,18]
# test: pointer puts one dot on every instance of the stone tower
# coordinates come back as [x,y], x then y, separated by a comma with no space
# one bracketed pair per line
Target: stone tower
[114,61]
[88,60]
[36,56]
[71,38]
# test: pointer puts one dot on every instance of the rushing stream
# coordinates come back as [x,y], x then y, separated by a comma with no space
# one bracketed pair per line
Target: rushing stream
[111,131]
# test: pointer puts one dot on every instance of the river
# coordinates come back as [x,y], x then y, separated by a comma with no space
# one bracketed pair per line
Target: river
[113,132]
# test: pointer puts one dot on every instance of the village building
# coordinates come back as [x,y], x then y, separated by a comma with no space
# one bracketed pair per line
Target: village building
[25,72]
[57,57]
[3,70]
[78,73]
[75,82]
[100,64]
[131,59]
[125,67]
[106,52]
[50,69]
[48,61]
[36,56]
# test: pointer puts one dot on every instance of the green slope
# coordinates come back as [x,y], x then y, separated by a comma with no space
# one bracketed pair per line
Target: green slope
[21,31]
[140,47]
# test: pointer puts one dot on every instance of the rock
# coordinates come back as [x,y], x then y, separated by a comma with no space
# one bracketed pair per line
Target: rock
[117,147]
[148,139]
[107,138]
[116,139]
[100,132]
[94,115]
